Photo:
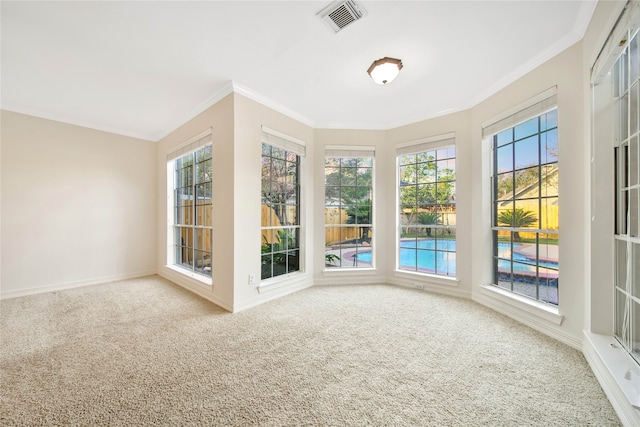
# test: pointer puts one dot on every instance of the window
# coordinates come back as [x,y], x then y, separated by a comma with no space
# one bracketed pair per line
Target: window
[348,207]
[626,101]
[280,227]
[191,192]
[525,201]
[427,207]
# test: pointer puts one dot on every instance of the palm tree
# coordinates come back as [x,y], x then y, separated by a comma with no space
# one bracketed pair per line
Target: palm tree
[518,218]
[429,218]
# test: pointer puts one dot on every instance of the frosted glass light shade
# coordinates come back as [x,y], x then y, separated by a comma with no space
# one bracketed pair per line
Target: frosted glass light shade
[385,70]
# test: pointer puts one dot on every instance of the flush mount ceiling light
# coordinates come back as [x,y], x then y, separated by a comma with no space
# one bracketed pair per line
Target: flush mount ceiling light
[384,70]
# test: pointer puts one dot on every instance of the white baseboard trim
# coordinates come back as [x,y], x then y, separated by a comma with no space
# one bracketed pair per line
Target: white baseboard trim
[424,285]
[273,292]
[536,319]
[340,280]
[74,284]
[618,375]
[195,286]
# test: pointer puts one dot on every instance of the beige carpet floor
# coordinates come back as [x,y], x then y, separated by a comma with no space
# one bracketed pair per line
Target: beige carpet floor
[146,352]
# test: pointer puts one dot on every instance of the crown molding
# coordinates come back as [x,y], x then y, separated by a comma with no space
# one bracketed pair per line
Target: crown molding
[268,102]
[216,97]
[66,120]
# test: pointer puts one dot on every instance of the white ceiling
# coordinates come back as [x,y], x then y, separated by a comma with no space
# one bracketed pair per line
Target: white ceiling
[144,68]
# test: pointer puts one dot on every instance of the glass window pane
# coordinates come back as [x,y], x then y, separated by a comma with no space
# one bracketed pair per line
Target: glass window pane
[530,127]
[446,263]
[549,120]
[267,262]
[635,291]
[428,194]
[426,156]
[278,153]
[549,146]
[620,328]
[621,264]
[624,71]
[446,170]
[505,158]
[624,118]
[348,176]
[633,60]
[407,159]
[504,186]
[549,213]
[633,109]
[293,261]
[292,157]
[526,152]
[504,137]
[426,172]
[408,237]
[525,214]
[633,212]
[408,174]
[504,214]
[633,162]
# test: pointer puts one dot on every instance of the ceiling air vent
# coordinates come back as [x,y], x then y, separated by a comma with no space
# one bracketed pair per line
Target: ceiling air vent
[339,14]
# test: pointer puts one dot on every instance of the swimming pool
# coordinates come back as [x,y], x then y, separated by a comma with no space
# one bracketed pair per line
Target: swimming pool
[422,255]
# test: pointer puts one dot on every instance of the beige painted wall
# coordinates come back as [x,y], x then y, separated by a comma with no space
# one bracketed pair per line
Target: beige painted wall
[236,122]
[565,72]
[78,205]
[249,117]
[219,118]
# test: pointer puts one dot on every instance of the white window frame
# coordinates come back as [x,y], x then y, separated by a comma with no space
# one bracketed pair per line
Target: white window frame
[624,92]
[351,152]
[432,143]
[532,108]
[190,146]
[294,145]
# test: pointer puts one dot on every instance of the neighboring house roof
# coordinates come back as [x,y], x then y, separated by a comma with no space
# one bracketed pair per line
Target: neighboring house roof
[532,191]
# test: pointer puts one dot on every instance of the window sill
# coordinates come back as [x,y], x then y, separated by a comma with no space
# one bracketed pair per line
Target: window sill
[208,281]
[536,308]
[431,278]
[609,356]
[349,271]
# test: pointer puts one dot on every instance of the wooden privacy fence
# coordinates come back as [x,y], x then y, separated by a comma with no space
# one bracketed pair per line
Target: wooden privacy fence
[549,221]
[337,216]
[269,218]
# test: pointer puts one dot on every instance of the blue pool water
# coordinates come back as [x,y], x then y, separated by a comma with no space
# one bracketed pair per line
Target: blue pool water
[443,260]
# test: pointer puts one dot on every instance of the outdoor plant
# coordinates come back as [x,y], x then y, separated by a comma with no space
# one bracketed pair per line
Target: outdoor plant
[331,258]
[429,218]
[518,218]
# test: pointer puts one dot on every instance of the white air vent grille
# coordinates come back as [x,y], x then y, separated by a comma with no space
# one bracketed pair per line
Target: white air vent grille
[339,14]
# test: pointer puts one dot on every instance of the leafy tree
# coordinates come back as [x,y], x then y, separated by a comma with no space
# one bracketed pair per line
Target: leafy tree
[279,180]
[360,214]
[348,181]
[420,187]
[518,218]
[423,185]
[523,178]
